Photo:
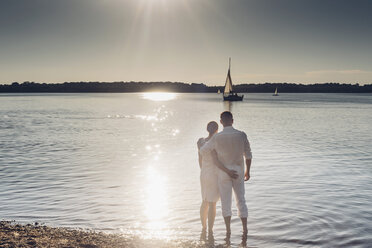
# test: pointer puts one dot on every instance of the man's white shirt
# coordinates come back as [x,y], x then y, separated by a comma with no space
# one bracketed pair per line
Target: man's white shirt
[231,146]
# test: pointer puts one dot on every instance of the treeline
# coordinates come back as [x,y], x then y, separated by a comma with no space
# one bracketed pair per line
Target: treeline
[75,87]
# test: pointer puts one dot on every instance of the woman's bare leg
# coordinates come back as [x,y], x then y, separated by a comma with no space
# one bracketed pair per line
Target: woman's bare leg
[211,215]
[204,214]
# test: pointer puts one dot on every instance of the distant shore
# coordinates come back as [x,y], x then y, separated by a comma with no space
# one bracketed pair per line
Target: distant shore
[36,235]
[179,87]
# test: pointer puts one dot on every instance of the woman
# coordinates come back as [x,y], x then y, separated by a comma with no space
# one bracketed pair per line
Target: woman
[208,182]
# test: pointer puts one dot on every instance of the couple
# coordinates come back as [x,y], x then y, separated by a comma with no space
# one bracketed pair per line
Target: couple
[221,159]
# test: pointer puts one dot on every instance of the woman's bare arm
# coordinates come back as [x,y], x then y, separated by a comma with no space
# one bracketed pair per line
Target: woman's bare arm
[200,159]
[199,155]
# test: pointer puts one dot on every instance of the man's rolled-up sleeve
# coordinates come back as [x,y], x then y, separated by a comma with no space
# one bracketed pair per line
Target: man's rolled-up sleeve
[208,147]
[247,148]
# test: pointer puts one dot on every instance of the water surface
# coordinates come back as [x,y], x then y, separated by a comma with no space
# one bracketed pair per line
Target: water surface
[127,163]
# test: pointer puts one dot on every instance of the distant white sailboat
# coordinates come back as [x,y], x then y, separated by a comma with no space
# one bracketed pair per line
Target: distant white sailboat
[276,92]
[218,92]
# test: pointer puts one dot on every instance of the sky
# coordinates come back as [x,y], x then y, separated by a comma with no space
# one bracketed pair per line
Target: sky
[294,41]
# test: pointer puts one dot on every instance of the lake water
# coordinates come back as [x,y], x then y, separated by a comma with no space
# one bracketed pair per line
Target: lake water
[127,163]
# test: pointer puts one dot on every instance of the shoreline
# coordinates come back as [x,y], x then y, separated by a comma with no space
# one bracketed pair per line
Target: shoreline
[13,234]
[175,92]
[180,87]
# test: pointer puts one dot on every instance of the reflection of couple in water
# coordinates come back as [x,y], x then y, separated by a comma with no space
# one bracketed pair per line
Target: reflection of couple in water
[221,159]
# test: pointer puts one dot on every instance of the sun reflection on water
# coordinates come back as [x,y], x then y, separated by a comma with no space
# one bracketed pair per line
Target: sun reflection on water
[156,206]
[159,96]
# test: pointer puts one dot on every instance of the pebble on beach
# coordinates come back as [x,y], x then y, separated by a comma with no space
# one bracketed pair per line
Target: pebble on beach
[36,235]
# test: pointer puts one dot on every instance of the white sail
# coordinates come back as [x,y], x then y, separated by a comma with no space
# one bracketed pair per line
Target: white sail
[228,85]
[228,93]
[276,91]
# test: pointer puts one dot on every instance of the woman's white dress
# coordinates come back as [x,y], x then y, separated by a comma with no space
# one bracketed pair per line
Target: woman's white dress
[208,177]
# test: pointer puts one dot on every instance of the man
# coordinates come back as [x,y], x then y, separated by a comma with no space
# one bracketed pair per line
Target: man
[230,147]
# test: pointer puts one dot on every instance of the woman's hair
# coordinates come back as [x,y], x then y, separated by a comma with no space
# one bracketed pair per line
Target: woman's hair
[212,127]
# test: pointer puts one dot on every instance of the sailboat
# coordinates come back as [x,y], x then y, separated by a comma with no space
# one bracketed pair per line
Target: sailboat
[276,92]
[228,93]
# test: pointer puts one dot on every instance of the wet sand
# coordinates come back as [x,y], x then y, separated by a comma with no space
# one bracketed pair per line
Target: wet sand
[35,235]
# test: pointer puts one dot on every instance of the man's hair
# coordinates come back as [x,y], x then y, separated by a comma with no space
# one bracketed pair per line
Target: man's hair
[226,116]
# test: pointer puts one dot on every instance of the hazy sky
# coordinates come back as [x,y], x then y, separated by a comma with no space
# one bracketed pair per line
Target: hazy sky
[298,41]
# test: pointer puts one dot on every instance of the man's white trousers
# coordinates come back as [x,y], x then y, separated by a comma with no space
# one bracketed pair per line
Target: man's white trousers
[226,185]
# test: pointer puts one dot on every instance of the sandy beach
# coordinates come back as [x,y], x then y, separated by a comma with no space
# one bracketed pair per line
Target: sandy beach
[36,235]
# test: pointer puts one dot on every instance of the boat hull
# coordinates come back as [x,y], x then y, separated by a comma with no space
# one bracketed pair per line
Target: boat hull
[233,98]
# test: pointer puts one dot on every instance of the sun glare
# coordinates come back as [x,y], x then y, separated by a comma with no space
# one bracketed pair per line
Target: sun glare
[159,96]
[156,206]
